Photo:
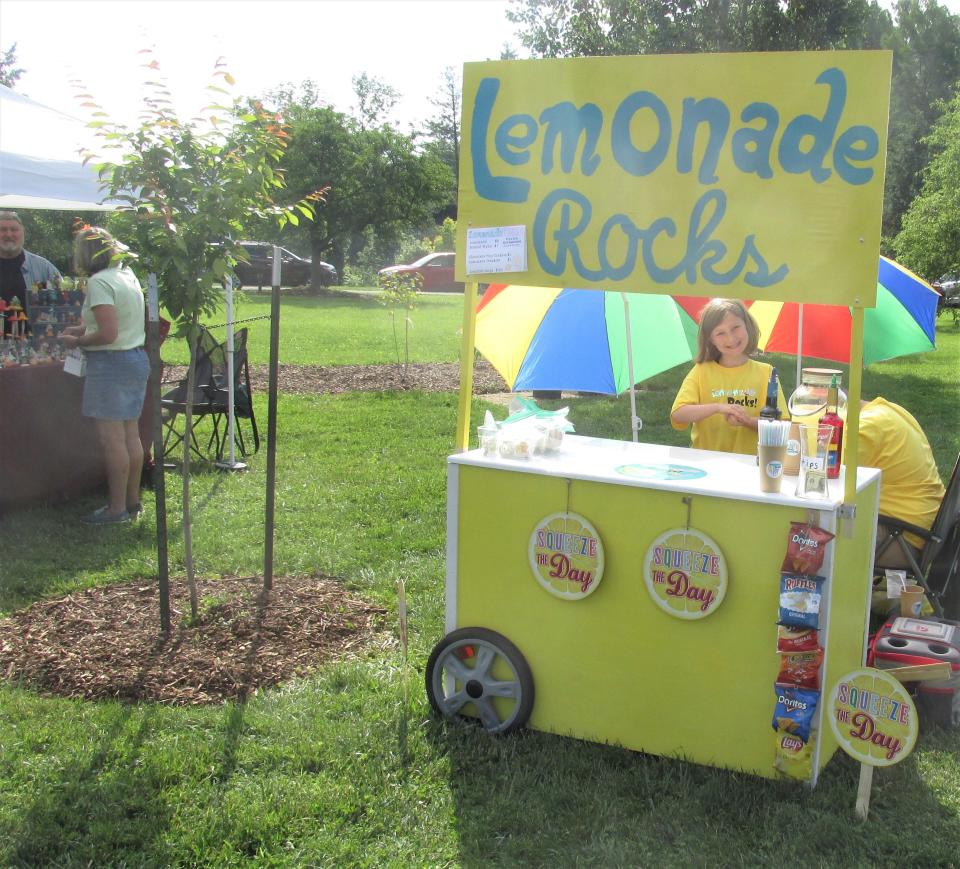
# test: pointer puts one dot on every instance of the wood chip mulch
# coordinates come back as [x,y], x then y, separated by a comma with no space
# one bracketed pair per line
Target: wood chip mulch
[105,643]
[427,376]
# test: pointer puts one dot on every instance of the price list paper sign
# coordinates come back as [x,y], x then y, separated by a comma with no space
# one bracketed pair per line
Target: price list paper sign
[496,249]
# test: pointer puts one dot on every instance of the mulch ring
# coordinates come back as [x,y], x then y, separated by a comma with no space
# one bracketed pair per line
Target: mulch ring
[105,643]
[427,376]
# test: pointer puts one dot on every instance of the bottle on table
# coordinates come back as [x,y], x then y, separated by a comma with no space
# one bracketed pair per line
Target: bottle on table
[771,409]
[834,420]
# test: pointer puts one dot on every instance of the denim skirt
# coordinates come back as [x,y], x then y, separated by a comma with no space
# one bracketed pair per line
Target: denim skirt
[116,382]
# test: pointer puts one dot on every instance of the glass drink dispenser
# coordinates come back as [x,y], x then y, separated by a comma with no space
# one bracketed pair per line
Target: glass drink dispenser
[809,400]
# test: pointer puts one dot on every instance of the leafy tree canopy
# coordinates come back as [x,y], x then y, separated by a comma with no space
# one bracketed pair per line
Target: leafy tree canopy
[375,100]
[9,71]
[929,242]
[443,129]
[376,177]
[191,188]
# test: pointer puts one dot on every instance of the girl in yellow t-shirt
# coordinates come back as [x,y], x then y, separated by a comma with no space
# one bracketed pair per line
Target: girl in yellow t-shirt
[723,394]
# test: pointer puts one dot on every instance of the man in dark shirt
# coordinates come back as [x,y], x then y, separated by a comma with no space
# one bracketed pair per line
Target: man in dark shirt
[19,269]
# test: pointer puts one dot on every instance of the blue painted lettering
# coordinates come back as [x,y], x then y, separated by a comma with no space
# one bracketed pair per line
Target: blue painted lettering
[566,123]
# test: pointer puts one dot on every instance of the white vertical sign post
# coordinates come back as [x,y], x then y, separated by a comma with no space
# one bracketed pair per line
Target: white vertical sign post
[231,464]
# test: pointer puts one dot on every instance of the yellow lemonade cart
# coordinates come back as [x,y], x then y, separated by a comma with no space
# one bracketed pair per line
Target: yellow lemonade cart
[628,593]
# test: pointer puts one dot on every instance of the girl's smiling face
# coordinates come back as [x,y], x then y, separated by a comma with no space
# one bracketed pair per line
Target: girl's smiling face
[731,339]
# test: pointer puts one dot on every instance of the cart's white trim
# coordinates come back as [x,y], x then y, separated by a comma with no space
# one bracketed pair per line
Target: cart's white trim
[727,475]
[827,520]
[453,510]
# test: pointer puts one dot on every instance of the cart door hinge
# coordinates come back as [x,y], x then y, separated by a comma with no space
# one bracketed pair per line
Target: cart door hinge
[848,511]
[848,515]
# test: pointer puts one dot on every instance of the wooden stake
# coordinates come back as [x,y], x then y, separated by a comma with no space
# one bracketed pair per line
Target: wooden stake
[863,791]
[922,672]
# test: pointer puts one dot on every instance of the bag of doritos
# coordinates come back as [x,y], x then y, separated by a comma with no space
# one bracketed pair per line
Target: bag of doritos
[794,711]
[806,546]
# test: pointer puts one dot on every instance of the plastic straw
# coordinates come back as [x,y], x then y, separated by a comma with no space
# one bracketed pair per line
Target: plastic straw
[773,432]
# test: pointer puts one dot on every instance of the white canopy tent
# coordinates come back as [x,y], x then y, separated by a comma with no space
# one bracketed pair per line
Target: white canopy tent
[40,162]
[41,167]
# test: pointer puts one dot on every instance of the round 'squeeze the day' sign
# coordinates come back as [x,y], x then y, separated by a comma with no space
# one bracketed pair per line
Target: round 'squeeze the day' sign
[873,717]
[566,555]
[685,573]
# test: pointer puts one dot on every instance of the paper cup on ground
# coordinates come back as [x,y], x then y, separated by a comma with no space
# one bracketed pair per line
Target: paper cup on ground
[771,467]
[911,601]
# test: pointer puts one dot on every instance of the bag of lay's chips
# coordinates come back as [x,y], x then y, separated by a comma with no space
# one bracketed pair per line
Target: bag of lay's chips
[800,600]
[793,757]
[797,639]
[794,711]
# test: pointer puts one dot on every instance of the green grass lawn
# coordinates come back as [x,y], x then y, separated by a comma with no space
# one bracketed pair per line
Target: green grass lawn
[343,328]
[334,770]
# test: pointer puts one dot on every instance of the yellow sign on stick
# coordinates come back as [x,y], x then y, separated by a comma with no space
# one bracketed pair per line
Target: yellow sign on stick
[873,717]
[751,175]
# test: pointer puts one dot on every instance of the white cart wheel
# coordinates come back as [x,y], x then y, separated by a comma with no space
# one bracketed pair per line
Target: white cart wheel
[479,673]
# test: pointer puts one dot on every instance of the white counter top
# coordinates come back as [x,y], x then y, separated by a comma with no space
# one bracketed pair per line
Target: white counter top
[654,466]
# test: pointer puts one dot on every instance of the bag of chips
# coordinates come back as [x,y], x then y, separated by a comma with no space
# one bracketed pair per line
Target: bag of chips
[801,669]
[794,757]
[806,546]
[796,639]
[800,598]
[794,711]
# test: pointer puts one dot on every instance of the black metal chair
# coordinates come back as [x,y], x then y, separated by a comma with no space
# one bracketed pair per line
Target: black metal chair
[937,569]
[209,437]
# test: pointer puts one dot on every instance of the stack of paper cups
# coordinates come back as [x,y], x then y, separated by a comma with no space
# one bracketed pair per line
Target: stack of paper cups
[791,463]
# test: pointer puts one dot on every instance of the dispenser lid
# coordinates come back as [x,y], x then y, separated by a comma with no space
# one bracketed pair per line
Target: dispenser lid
[821,376]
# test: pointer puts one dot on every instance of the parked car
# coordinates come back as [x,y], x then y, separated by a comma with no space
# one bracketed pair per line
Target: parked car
[294,270]
[436,270]
[948,285]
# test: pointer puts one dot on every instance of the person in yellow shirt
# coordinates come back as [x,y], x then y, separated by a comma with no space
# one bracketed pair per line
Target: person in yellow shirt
[722,396]
[910,486]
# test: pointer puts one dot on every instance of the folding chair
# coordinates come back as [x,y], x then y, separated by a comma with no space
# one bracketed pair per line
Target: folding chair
[938,568]
[242,401]
[210,401]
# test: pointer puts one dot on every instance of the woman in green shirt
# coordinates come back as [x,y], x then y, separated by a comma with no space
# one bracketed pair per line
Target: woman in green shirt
[112,338]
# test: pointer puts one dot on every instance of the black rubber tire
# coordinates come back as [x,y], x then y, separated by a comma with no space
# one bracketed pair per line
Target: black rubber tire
[462,645]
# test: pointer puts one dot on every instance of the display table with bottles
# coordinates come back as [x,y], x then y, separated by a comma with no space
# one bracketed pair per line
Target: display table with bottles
[616,656]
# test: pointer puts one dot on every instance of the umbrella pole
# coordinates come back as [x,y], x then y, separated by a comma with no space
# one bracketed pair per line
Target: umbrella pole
[466,364]
[635,422]
[799,347]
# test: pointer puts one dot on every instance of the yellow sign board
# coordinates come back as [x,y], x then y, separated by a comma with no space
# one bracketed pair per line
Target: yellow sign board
[685,573]
[873,717]
[566,556]
[756,176]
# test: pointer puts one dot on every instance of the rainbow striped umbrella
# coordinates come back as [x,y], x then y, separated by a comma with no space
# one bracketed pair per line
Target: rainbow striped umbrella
[555,339]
